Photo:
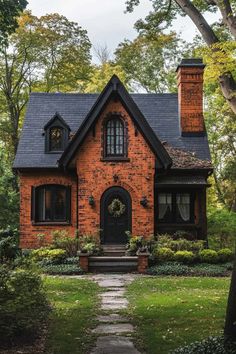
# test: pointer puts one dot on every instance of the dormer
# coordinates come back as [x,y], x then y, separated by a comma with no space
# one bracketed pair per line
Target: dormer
[56,135]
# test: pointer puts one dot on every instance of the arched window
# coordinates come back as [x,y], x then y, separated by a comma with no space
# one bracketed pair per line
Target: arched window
[114,138]
[56,139]
[51,203]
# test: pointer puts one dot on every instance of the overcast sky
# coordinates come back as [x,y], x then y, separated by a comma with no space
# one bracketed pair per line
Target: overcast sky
[104,20]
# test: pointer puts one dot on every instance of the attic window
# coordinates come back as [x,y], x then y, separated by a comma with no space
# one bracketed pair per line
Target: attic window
[56,135]
[56,139]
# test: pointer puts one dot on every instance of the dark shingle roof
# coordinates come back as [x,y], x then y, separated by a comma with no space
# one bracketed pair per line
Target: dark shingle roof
[160,110]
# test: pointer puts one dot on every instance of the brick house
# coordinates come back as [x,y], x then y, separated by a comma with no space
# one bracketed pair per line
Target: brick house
[115,162]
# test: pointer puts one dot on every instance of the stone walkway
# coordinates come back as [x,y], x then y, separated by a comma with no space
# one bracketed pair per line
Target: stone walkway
[114,330]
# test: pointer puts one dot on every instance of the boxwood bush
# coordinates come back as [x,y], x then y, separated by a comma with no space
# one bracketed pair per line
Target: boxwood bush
[208,256]
[163,254]
[23,304]
[211,345]
[186,257]
[225,255]
[55,256]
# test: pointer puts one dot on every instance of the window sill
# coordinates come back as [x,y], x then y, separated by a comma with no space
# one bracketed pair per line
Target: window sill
[115,159]
[51,223]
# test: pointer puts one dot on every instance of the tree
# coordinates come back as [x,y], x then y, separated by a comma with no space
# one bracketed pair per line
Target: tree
[150,61]
[9,11]
[49,53]
[165,11]
[101,74]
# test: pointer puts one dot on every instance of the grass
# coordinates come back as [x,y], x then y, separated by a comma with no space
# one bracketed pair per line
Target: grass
[74,310]
[171,312]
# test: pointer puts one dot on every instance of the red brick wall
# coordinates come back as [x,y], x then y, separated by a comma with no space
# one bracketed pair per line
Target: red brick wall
[28,231]
[190,95]
[136,176]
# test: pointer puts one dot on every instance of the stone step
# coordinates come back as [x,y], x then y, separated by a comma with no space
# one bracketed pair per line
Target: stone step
[113,264]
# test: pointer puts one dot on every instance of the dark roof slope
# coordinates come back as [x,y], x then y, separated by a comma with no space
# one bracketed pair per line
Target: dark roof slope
[160,110]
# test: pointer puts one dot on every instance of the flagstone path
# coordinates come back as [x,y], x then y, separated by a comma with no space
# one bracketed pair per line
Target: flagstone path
[114,330]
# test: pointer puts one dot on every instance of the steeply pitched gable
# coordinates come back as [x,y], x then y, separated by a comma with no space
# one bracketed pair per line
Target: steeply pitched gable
[115,88]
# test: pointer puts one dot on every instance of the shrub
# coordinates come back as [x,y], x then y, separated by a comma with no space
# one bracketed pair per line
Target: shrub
[171,268]
[23,304]
[52,255]
[90,244]
[180,244]
[135,242]
[163,254]
[62,269]
[61,239]
[8,249]
[179,269]
[185,257]
[211,345]
[208,256]
[225,255]
[71,260]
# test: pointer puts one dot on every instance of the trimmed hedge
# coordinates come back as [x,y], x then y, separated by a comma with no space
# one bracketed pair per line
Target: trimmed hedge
[186,257]
[208,256]
[210,345]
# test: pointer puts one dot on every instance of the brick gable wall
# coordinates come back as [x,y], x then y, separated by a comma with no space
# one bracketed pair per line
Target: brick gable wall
[96,176]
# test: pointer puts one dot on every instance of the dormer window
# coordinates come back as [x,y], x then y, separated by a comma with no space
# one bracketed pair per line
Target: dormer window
[56,139]
[56,135]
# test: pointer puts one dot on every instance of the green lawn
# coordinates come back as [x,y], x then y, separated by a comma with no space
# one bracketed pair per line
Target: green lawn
[172,311]
[75,304]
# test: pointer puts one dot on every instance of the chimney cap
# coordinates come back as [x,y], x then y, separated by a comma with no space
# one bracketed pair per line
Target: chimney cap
[191,63]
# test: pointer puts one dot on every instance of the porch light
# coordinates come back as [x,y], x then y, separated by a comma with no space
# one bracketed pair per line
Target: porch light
[144,201]
[91,200]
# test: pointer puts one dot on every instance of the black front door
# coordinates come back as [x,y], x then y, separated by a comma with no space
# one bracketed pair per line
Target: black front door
[115,215]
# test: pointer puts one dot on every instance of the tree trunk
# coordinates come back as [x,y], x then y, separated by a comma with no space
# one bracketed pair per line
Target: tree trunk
[227,82]
[230,320]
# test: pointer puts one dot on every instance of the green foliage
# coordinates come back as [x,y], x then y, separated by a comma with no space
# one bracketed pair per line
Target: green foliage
[221,228]
[89,244]
[216,345]
[62,269]
[208,256]
[225,255]
[180,269]
[23,304]
[149,61]
[9,249]
[10,10]
[180,244]
[185,257]
[61,239]
[53,255]
[135,242]
[163,254]
[9,196]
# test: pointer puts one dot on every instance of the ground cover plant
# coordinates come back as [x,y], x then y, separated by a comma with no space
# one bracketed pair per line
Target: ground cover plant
[74,304]
[176,311]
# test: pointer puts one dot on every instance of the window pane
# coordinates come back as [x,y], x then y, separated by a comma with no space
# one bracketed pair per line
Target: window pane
[48,204]
[56,139]
[165,206]
[183,206]
[60,204]
[114,137]
[40,204]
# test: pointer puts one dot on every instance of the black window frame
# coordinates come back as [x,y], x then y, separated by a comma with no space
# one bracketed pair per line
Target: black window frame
[35,204]
[56,123]
[115,118]
[172,218]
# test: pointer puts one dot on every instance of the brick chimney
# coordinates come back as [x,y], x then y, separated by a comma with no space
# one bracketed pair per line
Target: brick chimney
[190,97]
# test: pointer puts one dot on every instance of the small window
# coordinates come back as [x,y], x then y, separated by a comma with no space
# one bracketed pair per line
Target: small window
[51,203]
[114,138]
[56,139]
[175,207]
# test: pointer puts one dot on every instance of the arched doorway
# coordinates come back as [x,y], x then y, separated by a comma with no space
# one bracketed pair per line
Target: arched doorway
[116,215]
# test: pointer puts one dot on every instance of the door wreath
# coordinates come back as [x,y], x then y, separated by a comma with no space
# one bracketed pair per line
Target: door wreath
[116,208]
